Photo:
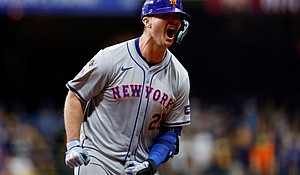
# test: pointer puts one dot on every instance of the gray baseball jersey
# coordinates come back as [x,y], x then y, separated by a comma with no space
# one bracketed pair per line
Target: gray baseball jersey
[127,101]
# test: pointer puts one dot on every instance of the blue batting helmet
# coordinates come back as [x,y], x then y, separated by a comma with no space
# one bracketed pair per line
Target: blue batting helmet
[152,7]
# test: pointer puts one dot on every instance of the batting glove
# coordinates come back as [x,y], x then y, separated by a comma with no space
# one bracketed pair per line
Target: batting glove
[137,168]
[76,155]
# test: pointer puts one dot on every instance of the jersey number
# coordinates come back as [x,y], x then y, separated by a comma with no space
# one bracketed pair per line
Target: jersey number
[156,120]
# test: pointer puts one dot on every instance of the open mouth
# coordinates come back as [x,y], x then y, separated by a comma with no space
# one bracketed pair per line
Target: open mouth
[170,33]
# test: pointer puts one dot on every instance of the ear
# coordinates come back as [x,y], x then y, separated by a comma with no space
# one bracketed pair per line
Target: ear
[147,22]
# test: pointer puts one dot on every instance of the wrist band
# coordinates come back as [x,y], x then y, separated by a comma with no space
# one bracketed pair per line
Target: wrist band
[73,143]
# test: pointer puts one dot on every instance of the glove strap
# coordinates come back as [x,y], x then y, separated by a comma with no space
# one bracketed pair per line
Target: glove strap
[152,166]
[72,144]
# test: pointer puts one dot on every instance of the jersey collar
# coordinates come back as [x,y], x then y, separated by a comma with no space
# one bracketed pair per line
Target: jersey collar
[136,43]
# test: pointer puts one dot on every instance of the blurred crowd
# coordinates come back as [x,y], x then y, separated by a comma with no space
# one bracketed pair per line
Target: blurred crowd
[241,139]
[32,143]
[244,139]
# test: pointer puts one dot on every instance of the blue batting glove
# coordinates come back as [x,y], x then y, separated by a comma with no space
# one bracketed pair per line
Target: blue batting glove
[76,155]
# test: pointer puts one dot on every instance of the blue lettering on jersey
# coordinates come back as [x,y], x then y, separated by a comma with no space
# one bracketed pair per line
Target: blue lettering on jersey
[134,90]
[116,92]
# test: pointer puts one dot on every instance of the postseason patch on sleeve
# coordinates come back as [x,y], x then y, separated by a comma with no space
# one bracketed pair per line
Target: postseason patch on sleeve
[187,110]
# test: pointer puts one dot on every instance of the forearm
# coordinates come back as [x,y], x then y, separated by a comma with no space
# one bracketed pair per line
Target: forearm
[73,116]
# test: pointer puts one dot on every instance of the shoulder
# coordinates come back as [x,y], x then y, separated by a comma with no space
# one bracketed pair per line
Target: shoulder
[113,52]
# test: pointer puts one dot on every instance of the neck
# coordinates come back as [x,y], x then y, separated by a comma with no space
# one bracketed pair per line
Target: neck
[152,52]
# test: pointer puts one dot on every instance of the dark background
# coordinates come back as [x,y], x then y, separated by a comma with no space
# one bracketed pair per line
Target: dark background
[228,56]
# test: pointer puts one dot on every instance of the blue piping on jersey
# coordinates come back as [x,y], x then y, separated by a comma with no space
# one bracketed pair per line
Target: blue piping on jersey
[78,172]
[139,107]
[144,117]
[176,124]
[74,90]
[136,42]
[148,98]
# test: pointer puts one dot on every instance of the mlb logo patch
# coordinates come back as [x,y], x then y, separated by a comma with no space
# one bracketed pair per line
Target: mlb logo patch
[187,110]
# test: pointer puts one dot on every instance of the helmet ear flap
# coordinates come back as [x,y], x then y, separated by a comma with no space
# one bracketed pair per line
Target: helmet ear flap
[182,31]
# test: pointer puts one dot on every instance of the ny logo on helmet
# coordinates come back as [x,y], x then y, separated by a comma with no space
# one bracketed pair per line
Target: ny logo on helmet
[173,2]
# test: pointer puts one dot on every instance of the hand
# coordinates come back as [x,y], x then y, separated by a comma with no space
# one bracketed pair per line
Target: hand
[137,168]
[76,155]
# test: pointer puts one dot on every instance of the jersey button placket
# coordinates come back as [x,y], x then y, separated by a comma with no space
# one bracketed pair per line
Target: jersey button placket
[137,134]
[148,76]
[140,120]
[141,114]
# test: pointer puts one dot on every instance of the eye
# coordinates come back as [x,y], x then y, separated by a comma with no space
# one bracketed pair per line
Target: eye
[167,15]
[163,16]
[172,15]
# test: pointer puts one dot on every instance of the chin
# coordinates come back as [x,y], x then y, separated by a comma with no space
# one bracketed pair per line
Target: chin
[168,42]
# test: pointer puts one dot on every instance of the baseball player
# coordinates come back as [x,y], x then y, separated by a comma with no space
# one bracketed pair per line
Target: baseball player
[125,109]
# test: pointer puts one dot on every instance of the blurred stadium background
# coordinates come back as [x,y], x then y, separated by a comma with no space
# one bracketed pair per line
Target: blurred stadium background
[243,57]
